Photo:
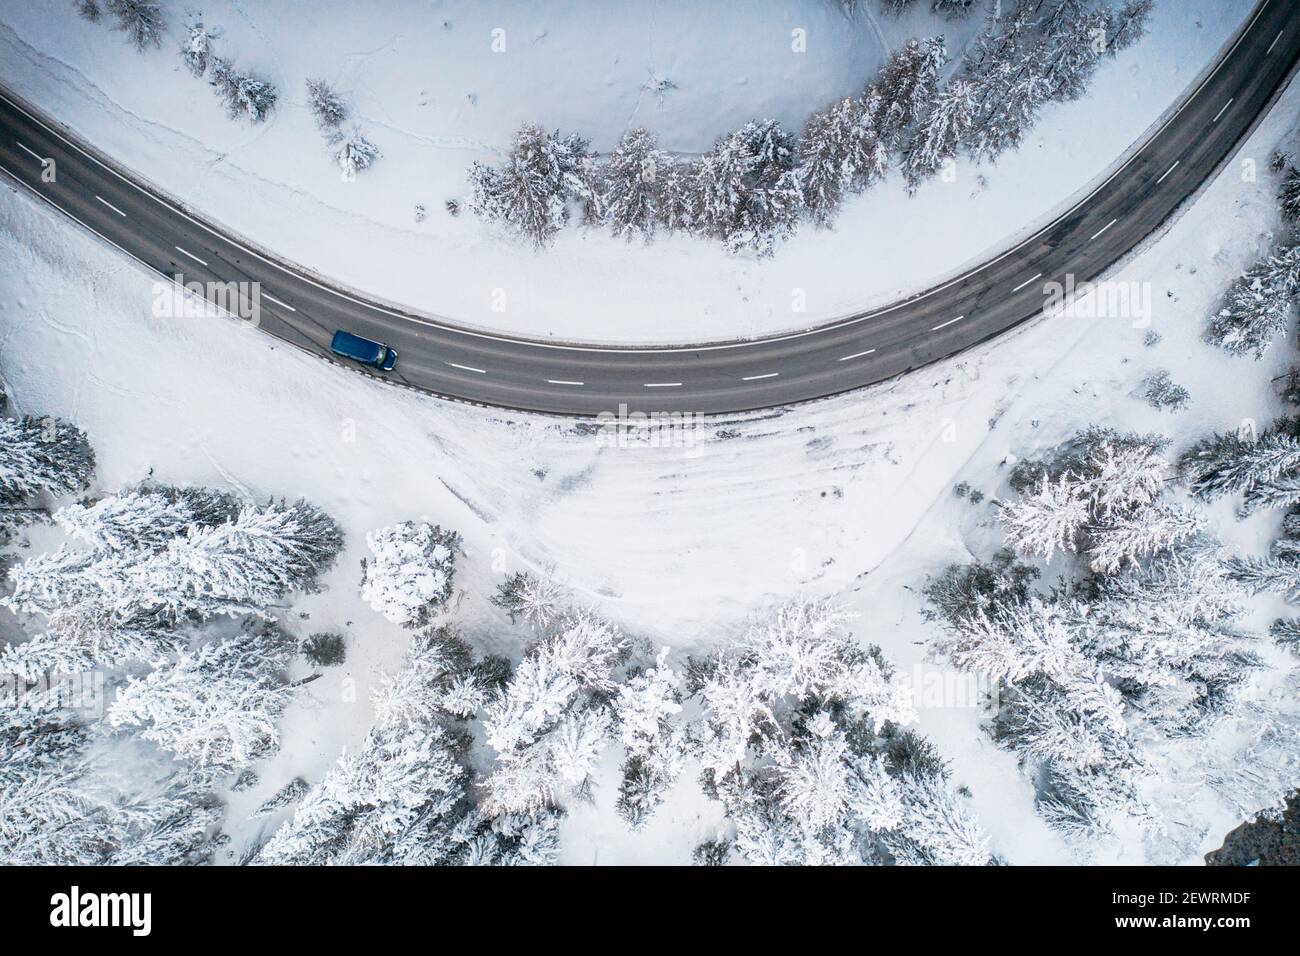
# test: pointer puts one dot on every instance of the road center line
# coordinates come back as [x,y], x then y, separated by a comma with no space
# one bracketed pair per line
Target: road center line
[855,355]
[1027,281]
[1274,43]
[191,255]
[663,384]
[111,206]
[1102,229]
[755,378]
[467,368]
[39,158]
[944,325]
[286,305]
[1168,171]
[560,381]
[1222,109]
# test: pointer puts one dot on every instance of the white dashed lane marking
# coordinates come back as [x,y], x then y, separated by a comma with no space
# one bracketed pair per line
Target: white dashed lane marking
[191,255]
[944,325]
[1222,109]
[663,384]
[1274,43]
[39,158]
[755,378]
[1102,229]
[467,368]
[1168,171]
[856,355]
[111,206]
[560,381]
[285,305]
[1027,281]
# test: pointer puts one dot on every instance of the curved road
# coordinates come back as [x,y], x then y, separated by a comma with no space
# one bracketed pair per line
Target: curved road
[572,379]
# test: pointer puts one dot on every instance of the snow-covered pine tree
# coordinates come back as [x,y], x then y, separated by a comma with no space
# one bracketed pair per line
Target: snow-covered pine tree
[1289,195]
[243,94]
[952,9]
[792,724]
[1258,306]
[354,154]
[531,192]
[328,108]
[1230,462]
[646,712]
[177,827]
[745,192]
[1128,24]
[1071,51]
[217,707]
[240,566]
[82,638]
[111,606]
[1140,533]
[1267,574]
[1051,518]
[45,790]
[549,723]
[631,185]
[1280,492]
[39,454]
[839,152]
[141,20]
[939,132]
[1168,634]
[1124,473]
[1004,64]
[197,50]
[146,517]
[411,573]
[1138,465]
[679,204]
[58,805]
[1161,391]
[908,85]
[535,600]
[403,797]
[936,827]
[1285,631]
[964,591]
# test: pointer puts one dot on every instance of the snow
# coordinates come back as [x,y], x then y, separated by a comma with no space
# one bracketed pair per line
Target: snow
[850,497]
[430,93]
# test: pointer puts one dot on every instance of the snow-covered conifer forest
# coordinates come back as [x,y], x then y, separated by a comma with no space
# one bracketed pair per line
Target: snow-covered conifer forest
[1032,603]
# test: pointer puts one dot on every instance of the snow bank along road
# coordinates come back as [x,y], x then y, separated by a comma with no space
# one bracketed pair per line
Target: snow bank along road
[571,379]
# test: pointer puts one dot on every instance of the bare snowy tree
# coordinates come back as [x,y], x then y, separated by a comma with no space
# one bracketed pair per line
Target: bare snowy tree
[744,191]
[631,185]
[354,154]
[243,94]
[839,152]
[327,106]
[197,50]
[531,192]
[141,20]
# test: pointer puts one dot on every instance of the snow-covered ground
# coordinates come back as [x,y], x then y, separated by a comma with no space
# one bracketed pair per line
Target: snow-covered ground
[848,497]
[428,88]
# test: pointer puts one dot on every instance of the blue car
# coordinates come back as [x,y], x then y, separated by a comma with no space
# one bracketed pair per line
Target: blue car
[363,350]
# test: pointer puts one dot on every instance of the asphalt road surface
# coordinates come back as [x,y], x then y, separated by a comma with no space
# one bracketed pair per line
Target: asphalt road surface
[573,379]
